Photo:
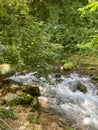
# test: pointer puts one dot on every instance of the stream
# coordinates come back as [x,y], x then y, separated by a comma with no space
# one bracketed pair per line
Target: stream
[58,92]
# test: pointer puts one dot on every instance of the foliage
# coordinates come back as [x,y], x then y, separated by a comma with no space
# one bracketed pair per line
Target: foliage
[67,28]
[39,33]
[91,10]
[22,37]
[3,126]
[69,128]
[9,113]
[40,9]
[91,6]
[33,118]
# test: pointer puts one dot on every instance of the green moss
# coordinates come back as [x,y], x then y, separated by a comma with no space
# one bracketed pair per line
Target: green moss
[8,112]
[69,128]
[35,103]
[68,65]
[81,87]
[91,68]
[3,126]
[33,118]
[95,78]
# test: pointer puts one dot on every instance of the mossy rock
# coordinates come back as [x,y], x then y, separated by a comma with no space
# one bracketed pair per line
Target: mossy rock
[33,118]
[81,87]
[35,103]
[12,99]
[33,90]
[95,77]
[17,98]
[25,97]
[91,68]
[68,66]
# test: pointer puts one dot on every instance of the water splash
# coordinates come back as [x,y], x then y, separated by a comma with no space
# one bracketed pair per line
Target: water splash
[83,108]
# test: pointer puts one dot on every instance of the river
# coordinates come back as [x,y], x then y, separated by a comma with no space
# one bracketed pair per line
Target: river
[76,105]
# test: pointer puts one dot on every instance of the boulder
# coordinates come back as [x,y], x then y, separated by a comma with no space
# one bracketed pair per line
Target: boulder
[17,98]
[32,89]
[11,99]
[81,87]
[25,97]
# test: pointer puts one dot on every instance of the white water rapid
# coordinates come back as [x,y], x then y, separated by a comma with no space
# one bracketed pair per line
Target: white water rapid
[79,106]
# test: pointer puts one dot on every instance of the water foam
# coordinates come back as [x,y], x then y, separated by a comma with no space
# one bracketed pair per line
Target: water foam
[83,108]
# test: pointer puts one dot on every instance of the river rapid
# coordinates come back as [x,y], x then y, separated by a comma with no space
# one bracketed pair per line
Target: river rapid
[57,91]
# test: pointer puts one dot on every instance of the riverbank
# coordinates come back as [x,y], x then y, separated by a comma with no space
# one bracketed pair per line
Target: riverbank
[45,118]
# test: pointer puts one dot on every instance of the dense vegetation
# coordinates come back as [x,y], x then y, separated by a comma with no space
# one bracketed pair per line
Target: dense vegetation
[39,33]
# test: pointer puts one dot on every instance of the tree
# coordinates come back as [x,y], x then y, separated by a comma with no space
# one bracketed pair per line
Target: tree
[23,38]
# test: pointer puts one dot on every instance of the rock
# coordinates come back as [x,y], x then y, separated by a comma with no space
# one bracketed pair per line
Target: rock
[54,125]
[30,89]
[68,66]
[33,90]
[14,88]
[81,87]
[5,68]
[95,77]
[12,99]
[10,81]
[22,128]
[17,99]
[35,103]
[57,76]
[25,97]
[2,92]
[73,88]
[91,68]
[33,118]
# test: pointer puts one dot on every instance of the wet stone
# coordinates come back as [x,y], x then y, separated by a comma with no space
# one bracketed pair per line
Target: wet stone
[17,98]
[32,89]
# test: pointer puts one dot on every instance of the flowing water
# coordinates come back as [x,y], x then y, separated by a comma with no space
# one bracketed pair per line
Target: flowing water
[63,96]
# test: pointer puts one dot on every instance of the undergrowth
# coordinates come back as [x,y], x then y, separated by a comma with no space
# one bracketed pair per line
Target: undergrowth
[6,113]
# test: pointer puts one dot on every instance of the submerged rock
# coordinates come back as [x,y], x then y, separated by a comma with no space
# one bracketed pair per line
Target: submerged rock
[81,87]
